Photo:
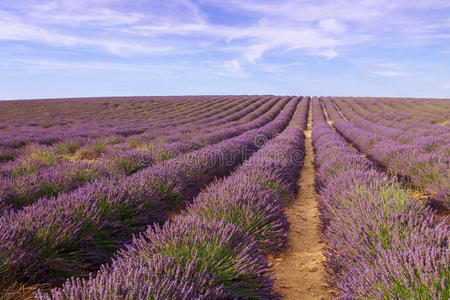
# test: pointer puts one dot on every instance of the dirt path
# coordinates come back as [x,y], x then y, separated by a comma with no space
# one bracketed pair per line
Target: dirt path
[299,270]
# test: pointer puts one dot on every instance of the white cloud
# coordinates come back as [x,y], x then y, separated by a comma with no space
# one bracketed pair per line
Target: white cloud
[318,28]
[332,26]
[15,30]
[328,53]
[233,66]
[254,52]
[179,18]
[260,37]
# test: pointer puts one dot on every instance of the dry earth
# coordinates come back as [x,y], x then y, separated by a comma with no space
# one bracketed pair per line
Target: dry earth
[299,270]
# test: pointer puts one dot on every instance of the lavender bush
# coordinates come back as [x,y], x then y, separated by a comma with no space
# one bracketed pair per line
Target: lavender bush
[102,216]
[244,214]
[380,242]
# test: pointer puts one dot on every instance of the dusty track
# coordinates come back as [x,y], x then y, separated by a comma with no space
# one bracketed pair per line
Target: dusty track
[299,270]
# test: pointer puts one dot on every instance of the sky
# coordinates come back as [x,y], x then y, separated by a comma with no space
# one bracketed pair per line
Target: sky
[83,48]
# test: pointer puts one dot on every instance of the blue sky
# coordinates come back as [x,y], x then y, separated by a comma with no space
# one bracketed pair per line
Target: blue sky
[75,48]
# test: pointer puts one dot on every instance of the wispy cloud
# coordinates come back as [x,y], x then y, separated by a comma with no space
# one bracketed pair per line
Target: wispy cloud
[13,29]
[332,26]
[47,64]
[233,66]
[236,37]
[319,28]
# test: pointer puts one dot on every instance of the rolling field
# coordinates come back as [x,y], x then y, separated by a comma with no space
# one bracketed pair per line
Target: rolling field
[225,197]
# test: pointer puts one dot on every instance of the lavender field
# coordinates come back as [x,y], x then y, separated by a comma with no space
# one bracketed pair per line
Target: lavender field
[204,197]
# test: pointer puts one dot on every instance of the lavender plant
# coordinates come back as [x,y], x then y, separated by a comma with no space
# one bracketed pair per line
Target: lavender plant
[227,259]
[104,215]
[380,242]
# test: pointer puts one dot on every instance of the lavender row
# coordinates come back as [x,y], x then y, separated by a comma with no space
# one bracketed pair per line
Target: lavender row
[92,148]
[136,129]
[38,157]
[201,109]
[428,171]
[380,242]
[66,113]
[19,191]
[77,232]
[257,118]
[214,250]
[113,108]
[44,155]
[237,115]
[421,111]
[274,168]
[187,118]
[435,142]
[95,148]
[211,109]
[89,148]
[50,135]
[416,131]
[422,143]
[430,111]
[24,190]
[220,119]
[184,116]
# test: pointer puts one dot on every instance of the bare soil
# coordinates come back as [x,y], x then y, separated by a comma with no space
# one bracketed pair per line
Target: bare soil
[298,270]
